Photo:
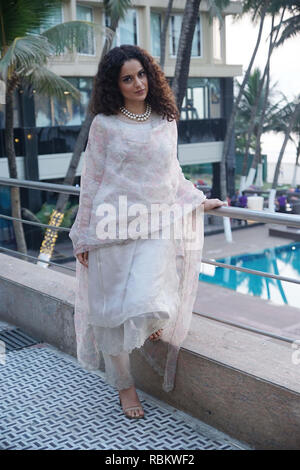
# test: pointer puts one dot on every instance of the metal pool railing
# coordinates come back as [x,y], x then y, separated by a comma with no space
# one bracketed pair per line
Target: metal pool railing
[259,216]
[231,212]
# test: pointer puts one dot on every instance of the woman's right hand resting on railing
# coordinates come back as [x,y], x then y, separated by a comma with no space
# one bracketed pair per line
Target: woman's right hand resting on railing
[83,258]
[213,204]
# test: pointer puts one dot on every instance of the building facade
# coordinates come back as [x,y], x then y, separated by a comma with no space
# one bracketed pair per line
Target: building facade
[46,129]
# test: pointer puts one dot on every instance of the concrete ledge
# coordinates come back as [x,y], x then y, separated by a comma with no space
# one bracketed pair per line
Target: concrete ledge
[38,300]
[243,384]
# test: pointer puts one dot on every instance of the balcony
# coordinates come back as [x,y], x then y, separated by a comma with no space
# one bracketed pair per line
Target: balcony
[232,377]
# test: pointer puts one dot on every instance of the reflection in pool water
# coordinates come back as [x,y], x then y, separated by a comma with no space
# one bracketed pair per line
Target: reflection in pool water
[282,260]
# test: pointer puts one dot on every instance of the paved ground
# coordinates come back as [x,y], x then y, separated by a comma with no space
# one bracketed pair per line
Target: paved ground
[49,402]
[246,240]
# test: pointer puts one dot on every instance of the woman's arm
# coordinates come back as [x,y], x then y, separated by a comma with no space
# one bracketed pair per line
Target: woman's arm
[186,185]
[91,177]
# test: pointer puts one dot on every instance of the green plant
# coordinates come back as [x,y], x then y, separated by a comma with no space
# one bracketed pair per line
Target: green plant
[46,210]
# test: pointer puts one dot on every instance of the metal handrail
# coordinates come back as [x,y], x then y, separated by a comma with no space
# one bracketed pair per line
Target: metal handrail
[35,258]
[225,211]
[31,222]
[265,216]
[232,212]
[248,328]
[56,188]
[250,271]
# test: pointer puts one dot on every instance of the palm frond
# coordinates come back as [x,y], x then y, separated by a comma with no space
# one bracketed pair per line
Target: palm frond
[291,27]
[116,9]
[48,83]
[215,9]
[24,52]
[72,34]
[254,7]
[20,17]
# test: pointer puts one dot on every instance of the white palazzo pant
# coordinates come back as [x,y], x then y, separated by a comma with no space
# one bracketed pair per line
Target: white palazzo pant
[133,292]
[117,370]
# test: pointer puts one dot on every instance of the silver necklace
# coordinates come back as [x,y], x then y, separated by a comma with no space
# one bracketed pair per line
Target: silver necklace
[137,117]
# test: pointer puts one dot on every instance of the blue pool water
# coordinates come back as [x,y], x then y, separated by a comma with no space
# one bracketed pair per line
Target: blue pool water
[282,260]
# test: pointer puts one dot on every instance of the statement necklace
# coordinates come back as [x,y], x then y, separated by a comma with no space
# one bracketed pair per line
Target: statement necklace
[137,117]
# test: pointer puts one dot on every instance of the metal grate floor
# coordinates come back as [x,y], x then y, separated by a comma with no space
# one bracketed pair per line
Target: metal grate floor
[48,401]
[15,338]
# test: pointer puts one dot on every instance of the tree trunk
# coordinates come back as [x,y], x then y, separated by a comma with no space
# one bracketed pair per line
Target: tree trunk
[289,129]
[164,33]
[230,126]
[257,156]
[12,167]
[256,162]
[182,66]
[294,180]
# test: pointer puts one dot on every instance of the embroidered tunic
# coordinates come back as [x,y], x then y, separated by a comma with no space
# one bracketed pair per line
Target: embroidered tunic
[135,284]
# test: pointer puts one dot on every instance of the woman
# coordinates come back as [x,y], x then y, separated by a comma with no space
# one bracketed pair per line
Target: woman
[134,284]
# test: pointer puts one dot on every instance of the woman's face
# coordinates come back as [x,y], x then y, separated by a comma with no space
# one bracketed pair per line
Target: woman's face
[133,81]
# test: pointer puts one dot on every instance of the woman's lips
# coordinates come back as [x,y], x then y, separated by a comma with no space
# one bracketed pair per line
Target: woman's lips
[140,92]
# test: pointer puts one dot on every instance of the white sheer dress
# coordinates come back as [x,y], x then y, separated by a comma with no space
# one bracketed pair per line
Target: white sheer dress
[135,286]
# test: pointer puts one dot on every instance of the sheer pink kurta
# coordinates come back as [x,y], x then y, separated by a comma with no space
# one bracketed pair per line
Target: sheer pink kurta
[139,161]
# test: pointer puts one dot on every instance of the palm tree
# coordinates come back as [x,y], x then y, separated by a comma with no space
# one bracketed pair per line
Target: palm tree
[291,26]
[259,10]
[279,125]
[253,102]
[163,34]
[116,9]
[24,56]
[263,87]
[293,118]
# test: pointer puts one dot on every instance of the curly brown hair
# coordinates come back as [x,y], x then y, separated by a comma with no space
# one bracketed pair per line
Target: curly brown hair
[106,96]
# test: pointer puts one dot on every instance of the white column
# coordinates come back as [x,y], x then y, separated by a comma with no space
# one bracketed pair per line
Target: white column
[146,34]
[72,10]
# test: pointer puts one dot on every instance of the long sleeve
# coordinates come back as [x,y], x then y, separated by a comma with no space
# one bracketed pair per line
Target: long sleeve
[91,177]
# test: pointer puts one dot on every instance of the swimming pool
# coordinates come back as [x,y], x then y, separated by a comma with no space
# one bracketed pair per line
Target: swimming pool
[283,260]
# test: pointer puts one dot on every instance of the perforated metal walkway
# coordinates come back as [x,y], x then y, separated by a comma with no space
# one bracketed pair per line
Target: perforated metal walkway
[48,401]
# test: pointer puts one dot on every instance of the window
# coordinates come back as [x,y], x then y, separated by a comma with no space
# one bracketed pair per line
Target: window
[52,112]
[202,99]
[174,31]
[155,33]
[88,45]
[216,38]
[16,111]
[126,32]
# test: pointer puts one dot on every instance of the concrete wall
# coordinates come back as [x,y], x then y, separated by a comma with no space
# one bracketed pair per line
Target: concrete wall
[242,383]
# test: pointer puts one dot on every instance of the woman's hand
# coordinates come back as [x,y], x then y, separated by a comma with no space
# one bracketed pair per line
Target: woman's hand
[213,204]
[83,258]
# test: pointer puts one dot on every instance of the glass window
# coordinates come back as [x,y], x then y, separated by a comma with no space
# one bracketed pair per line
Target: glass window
[42,110]
[126,32]
[16,112]
[52,112]
[174,31]
[155,33]
[88,46]
[216,38]
[202,99]
[2,116]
